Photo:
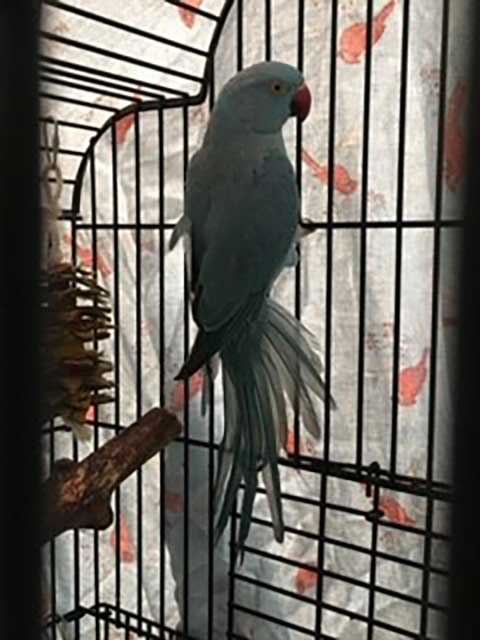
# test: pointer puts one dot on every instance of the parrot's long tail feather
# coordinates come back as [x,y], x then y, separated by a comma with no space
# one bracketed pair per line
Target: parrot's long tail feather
[273,357]
[210,371]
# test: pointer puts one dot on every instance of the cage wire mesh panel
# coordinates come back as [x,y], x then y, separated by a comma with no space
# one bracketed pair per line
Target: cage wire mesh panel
[380,166]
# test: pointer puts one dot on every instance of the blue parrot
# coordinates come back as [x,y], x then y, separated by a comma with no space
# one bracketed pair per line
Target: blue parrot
[241,224]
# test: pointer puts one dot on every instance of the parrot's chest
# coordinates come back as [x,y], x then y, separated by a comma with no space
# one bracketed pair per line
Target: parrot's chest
[258,176]
[265,204]
[253,204]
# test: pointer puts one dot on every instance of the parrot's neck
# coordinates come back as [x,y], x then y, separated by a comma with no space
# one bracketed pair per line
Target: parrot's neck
[240,140]
[231,135]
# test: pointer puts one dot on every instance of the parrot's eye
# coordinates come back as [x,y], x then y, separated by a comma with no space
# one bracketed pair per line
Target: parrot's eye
[279,88]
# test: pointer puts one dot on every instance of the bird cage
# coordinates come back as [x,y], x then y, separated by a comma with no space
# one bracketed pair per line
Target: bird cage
[380,168]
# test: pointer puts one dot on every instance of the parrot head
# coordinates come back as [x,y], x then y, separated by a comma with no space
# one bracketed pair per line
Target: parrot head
[261,98]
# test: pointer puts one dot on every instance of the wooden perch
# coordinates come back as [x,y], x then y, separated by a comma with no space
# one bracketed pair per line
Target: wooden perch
[77,495]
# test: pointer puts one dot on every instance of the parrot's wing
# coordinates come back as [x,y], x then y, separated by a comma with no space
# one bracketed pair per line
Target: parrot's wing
[238,247]
[183,228]
[248,233]
[200,179]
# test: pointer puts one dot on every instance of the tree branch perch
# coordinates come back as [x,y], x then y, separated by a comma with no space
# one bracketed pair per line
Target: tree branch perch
[77,494]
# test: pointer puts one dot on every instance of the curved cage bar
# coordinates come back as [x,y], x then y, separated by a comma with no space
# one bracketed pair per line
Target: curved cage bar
[60,73]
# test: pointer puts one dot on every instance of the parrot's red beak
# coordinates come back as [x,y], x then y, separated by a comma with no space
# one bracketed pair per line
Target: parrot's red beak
[301,102]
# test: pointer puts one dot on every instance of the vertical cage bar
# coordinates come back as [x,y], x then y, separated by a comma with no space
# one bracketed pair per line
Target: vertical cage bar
[138,319]
[53,563]
[106,630]
[268,29]
[76,566]
[93,205]
[161,285]
[76,534]
[186,413]
[116,352]
[373,563]
[328,316]
[427,554]
[399,233]
[298,170]
[211,452]
[239,35]
[363,236]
